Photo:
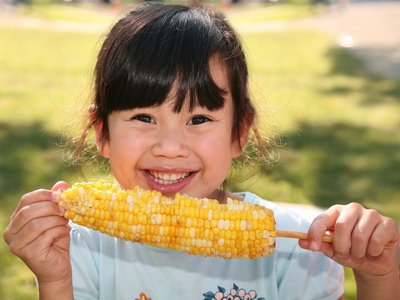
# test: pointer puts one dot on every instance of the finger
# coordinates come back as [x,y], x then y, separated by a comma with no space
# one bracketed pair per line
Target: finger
[385,232]
[326,248]
[58,236]
[362,232]
[41,195]
[63,239]
[344,227]
[320,225]
[33,230]
[60,185]
[39,247]
[33,211]
[36,196]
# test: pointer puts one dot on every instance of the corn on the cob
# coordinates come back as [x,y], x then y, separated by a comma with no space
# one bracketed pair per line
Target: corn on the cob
[195,226]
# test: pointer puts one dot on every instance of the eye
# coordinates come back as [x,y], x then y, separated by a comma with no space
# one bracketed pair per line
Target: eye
[144,118]
[197,120]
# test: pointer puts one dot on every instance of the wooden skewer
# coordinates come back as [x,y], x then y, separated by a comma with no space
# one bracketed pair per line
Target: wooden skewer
[304,236]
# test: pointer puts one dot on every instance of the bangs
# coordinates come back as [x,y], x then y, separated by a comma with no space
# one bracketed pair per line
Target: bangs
[168,56]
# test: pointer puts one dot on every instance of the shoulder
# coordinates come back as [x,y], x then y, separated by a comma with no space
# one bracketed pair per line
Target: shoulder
[285,218]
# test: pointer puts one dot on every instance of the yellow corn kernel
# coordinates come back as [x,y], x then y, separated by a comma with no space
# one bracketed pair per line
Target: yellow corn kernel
[194,226]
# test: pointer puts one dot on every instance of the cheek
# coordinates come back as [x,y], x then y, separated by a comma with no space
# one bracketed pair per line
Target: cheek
[125,151]
[215,151]
[127,141]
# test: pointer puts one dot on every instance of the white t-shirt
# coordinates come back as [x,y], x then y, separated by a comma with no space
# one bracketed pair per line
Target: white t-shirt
[109,268]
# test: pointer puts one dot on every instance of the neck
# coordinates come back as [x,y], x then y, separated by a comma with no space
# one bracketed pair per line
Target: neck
[222,196]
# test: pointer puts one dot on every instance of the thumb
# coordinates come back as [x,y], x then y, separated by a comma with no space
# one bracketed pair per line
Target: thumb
[60,185]
[321,225]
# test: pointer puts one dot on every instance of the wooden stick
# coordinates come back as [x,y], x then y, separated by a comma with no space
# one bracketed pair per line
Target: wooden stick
[304,236]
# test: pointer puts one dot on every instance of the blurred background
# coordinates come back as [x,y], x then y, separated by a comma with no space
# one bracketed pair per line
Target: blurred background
[325,75]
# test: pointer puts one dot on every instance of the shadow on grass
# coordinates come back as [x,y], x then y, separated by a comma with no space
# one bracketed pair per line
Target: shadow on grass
[336,164]
[30,158]
[340,163]
[375,88]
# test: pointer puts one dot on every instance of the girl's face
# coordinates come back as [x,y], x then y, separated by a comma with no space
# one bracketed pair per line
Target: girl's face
[185,152]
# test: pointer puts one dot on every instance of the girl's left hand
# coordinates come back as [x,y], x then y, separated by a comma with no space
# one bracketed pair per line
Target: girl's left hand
[359,238]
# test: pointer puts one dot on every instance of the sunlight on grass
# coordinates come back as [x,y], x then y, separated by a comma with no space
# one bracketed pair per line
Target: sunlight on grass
[59,85]
[349,286]
[82,12]
[18,282]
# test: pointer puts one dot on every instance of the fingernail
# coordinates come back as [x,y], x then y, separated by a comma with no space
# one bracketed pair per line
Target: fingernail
[305,243]
[314,246]
[55,196]
[61,210]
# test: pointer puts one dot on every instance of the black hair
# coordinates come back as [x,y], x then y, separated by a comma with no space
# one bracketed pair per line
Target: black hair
[159,46]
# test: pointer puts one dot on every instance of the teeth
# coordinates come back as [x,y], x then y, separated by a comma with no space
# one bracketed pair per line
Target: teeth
[165,178]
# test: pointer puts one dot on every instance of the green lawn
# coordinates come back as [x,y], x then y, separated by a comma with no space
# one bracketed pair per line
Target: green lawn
[337,124]
[84,12]
[43,74]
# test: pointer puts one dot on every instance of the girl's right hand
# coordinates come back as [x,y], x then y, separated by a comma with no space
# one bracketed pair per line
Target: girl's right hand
[39,235]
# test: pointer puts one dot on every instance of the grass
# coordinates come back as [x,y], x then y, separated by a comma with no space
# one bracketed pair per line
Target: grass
[38,89]
[337,123]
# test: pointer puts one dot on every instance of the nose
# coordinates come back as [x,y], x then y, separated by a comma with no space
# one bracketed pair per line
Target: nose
[170,143]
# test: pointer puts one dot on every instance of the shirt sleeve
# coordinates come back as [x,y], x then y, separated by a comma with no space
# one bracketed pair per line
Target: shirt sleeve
[84,261]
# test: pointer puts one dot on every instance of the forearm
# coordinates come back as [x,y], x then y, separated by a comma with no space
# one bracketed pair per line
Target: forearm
[56,290]
[381,287]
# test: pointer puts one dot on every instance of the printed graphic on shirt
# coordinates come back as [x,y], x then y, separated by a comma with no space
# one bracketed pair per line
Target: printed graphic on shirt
[235,293]
[142,296]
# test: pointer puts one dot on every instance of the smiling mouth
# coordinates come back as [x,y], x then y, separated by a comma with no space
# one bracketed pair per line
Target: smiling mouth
[167,178]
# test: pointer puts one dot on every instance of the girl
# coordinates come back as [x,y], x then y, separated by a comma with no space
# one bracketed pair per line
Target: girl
[170,112]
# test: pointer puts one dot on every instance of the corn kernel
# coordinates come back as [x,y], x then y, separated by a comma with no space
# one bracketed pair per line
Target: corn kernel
[205,227]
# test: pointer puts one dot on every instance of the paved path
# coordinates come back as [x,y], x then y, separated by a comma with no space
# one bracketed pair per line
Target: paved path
[369,29]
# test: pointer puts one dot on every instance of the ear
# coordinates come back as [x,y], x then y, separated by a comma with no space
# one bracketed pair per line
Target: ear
[239,142]
[102,143]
